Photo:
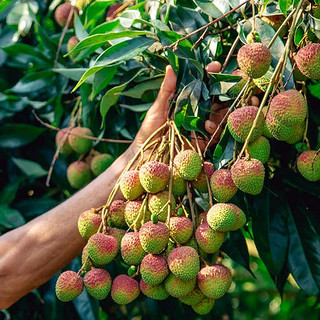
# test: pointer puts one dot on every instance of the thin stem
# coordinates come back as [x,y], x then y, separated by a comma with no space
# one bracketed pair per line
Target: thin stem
[230,53]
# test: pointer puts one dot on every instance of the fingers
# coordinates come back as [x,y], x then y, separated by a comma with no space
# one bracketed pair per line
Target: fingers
[214,67]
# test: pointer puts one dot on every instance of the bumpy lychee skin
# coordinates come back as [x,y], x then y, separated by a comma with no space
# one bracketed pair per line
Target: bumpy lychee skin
[65,149]
[194,297]
[178,288]
[234,91]
[84,259]
[260,149]
[184,262]
[131,250]
[308,60]
[154,176]
[297,133]
[116,214]
[248,175]
[124,289]
[154,269]
[100,163]
[133,214]
[240,122]
[200,183]
[69,285]
[181,229]
[204,306]
[62,12]
[102,248]
[78,143]
[188,163]
[179,186]
[154,292]
[78,174]
[117,233]
[289,107]
[130,185]
[209,240]
[158,204]
[277,129]
[221,217]
[241,217]
[308,164]
[214,281]
[222,185]
[154,237]
[88,223]
[97,283]
[254,59]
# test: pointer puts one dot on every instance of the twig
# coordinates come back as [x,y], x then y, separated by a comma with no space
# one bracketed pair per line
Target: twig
[200,38]
[233,47]
[120,9]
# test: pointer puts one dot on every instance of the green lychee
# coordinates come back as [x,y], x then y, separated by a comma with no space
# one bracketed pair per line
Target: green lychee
[221,217]
[204,306]
[194,297]
[124,289]
[115,216]
[100,163]
[200,183]
[154,269]
[158,204]
[134,214]
[297,133]
[130,185]
[181,229]
[79,143]
[188,163]
[235,90]
[157,292]
[88,223]
[277,129]
[308,164]
[253,37]
[62,13]
[97,283]
[308,60]
[179,186]
[65,148]
[131,250]
[78,174]
[178,288]
[69,285]
[260,149]
[241,217]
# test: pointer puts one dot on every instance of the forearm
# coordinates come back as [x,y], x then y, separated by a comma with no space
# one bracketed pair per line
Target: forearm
[33,253]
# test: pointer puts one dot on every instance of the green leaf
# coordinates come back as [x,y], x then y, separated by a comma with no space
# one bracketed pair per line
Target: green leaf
[15,135]
[285,5]
[96,9]
[30,168]
[106,27]
[10,218]
[8,194]
[138,90]
[218,77]
[73,73]
[137,108]
[214,9]
[86,75]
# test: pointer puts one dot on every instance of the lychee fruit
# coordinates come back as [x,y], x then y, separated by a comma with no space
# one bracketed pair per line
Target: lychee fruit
[154,176]
[240,122]
[88,223]
[194,297]
[254,59]
[248,175]
[188,164]
[214,281]
[154,269]
[221,217]
[69,285]
[204,306]
[102,248]
[277,129]
[131,250]
[260,149]
[181,229]
[157,292]
[100,163]
[308,60]
[184,262]
[117,233]
[78,143]
[62,13]
[130,185]
[235,90]
[72,43]
[65,148]
[134,214]
[222,185]
[297,133]
[97,283]
[154,237]
[200,183]
[124,289]
[115,217]
[110,13]
[241,217]
[158,204]
[179,186]
[178,288]
[78,174]
[308,164]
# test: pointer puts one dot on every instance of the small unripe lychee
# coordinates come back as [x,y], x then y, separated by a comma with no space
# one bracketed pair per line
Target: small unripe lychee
[260,149]
[130,185]
[100,163]
[179,186]
[77,142]
[194,297]
[248,175]
[69,285]
[154,269]
[62,13]
[88,223]
[308,60]
[65,148]
[134,214]
[157,292]
[102,248]
[253,36]
[115,217]
[308,164]
[214,281]
[154,176]
[158,204]
[188,163]
[181,229]
[124,289]
[221,217]
[204,306]
[178,288]
[200,183]
[254,59]
[78,174]
[154,237]
[222,185]
[72,43]
[131,250]
[97,283]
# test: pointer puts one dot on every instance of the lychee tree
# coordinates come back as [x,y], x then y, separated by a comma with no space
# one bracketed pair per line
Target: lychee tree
[77,79]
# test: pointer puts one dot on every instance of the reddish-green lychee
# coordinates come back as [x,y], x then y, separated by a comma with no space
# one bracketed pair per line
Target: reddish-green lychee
[277,129]
[241,217]
[204,306]
[154,269]
[297,133]
[308,164]
[184,262]
[131,250]
[202,217]
[134,214]
[88,223]
[157,292]
[78,174]
[154,176]
[308,60]
[100,163]
[254,59]
[62,13]
[130,185]
[117,233]
[209,240]
[194,297]
[188,164]
[86,263]
[235,90]
[200,183]
[178,288]
[248,175]
[260,149]
[179,186]
[222,185]
[79,143]
[154,237]
[158,204]
[221,217]
[65,148]
[124,289]
[115,216]
[102,248]
[97,283]
[181,229]
[214,281]
[72,43]
[69,285]
[240,122]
